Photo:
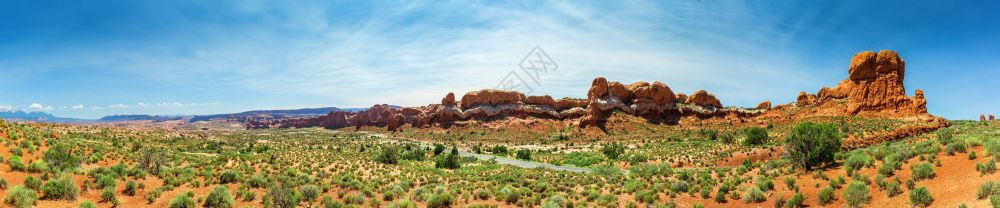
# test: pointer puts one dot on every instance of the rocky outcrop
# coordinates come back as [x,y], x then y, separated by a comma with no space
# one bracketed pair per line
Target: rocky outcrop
[982,117]
[991,117]
[874,88]
[766,105]
[704,99]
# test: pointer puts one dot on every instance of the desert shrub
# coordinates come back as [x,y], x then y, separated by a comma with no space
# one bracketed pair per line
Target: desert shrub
[37,166]
[16,164]
[415,153]
[557,201]
[404,203]
[988,167]
[3,182]
[920,197]
[309,192]
[61,156]
[87,204]
[679,186]
[796,201]
[357,199]
[886,170]
[182,201]
[108,195]
[613,150]
[856,194]
[279,196]
[130,188]
[229,176]
[32,182]
[825,195]
[448,161]
[219,198]
[106,181]
[753,195]
[956,147]
[20,197]
[811,144]
[257,181]
[62,188]
[582,159]
[855,161]
[523,154]
[992,146]
[438,149]
[790,183]
[987,189]
[755,136]
[388,155]
[922,171]
[440,199]
[764,183]
[510,195]
[892,189]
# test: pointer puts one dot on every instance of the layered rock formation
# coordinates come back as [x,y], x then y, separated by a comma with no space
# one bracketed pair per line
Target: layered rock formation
[874,88]
[653,101]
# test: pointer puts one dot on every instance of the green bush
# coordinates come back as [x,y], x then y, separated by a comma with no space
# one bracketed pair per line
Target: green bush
[182,201]
[16,164]
[920,197]
[856,194]
[388,155]
[61,156]
[679,187]
[87,204]
[229,176]
[922,171]
[796,201]
[754,195]
[108,195]
[131,188]
[855,161]
[892,189]
[755,136]
[524,154]
[37,166]
[825,195]
[21,197]
[992,146]
[62,188]
[988,167]
[440,199]
[448,161]
[613,150]
[987,189]
[32,182]
[582,159]
[219,198]
[811,144]
[309,192]
[106,181]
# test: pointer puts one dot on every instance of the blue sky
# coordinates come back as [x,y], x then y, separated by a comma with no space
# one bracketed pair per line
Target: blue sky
[87,59]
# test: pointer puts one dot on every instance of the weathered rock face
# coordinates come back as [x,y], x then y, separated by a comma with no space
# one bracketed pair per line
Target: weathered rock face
[991,117]
[766,105]
[703,98]
[448,99]
[491,97]
[874,88]
[878,86]
[540,100]
[982,117]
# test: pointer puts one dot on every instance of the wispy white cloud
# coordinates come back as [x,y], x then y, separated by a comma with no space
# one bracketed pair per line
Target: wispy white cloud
[77,107]
[6,108]
[38,107]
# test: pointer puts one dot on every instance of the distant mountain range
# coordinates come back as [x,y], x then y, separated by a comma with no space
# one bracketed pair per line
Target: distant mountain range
[241,116]
[36,116]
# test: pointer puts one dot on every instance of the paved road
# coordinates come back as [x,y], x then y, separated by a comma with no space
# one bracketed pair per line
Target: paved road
[499,159]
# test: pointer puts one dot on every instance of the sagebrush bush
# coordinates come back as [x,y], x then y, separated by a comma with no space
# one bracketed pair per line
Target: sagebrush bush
[20,197]
[855,161]
[922,171]
[309,192]
[60,189]
[219,198]
[388,155]
[796,201]
[920,197]
[87,204]
[16,164]
[825,195]
[754,195]
[182,201]
[229,176]
[856,194]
